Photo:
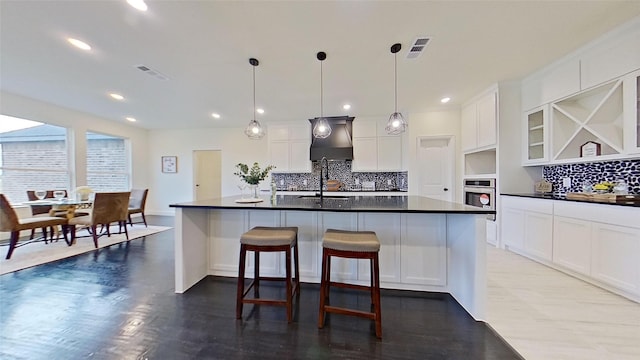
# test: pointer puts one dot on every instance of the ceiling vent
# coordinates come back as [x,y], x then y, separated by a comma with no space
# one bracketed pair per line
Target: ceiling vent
[151,72]
[416,48]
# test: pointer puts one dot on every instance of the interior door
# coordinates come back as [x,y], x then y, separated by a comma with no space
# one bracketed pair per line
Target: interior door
[207,174]
[435,157]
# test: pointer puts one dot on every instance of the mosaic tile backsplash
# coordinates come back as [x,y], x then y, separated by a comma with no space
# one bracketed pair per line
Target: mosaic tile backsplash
[593,173]
[340,170]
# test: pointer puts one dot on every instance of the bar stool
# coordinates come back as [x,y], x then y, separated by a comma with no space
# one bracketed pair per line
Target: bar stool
[268,239]
[353,245]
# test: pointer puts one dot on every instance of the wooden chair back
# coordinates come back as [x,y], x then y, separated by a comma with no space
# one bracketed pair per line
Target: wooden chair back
[138,199]
[8,216]
[110,207]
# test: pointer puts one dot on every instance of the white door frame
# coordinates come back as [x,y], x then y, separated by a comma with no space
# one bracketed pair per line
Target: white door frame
[451,149]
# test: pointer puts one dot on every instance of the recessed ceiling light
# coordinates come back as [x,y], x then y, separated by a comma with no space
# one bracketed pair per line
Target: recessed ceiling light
[138,4]
[216,115]
[445,100]
[346,106]
[260,111]
[116,96]
[129,118]
[79,44]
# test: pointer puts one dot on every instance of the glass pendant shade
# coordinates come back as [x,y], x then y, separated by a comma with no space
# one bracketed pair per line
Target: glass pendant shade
[396,124]
[321,129]
[254,130]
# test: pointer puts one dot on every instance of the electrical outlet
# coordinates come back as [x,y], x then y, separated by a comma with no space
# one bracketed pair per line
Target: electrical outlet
[566,182]
[357,181]
[304,182]
[389,182]
[281,182]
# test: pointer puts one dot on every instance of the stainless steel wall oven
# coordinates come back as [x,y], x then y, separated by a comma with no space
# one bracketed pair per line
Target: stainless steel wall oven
[481,193]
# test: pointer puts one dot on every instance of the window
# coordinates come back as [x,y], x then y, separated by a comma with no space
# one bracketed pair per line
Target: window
[108,163]
[33,156]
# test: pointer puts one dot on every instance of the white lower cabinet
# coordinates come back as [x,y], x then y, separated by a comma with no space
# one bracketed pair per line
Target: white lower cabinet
[308,250]
[387,228]
[615,257]
[597,242]
[512,227]
[423,249]
[527,226]
[538,239]
[572,244]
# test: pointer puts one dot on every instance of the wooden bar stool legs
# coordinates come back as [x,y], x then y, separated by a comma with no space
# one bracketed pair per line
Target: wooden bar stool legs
[269,239]
[352,245]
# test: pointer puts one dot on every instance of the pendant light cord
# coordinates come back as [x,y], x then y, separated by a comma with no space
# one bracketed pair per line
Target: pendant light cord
[254,93]
[321,93]
[395,76]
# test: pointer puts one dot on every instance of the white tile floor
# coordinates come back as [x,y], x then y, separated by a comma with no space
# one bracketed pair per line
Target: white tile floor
[545,314]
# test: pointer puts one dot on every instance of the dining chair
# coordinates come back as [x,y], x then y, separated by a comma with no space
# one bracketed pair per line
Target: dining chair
[108,207]
[10,222]
[137,203]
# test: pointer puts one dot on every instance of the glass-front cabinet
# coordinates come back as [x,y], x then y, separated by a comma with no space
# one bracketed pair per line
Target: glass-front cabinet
[536,135]
[632,112]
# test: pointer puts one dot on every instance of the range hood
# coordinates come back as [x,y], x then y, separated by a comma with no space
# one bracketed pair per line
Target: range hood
[338,145]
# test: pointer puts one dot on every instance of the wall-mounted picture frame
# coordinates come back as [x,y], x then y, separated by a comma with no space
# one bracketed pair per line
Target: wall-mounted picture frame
[590,149]
[169,164]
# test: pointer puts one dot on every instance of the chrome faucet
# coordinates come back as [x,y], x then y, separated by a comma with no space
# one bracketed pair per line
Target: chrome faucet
[322,162]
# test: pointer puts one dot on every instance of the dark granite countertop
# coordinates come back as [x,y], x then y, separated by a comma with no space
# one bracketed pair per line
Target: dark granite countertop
[563,198]
[401,204]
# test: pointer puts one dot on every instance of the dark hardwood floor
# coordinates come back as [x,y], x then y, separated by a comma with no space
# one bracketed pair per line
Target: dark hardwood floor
[118,303]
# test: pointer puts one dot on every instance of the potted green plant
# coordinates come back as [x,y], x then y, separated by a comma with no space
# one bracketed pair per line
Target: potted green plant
[253,175]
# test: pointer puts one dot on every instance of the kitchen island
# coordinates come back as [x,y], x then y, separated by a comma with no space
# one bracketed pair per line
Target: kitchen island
[426,244]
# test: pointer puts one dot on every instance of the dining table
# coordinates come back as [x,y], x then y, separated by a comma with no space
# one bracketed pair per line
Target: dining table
[66,205]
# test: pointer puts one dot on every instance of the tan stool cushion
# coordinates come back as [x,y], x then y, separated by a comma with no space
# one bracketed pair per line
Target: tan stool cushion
[359,241]
[269,236]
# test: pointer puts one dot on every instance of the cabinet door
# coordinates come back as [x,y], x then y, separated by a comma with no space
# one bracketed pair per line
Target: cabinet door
[604,63]
[224,249]
[308,255]
[616,256]
[572,244]
[536,135]
[299,156]
[279,155]
[512,234]
[387,229]
[468,128]
[365,153]
[538,239]
[423,250]
[487,121]
[631,103]
[389,153]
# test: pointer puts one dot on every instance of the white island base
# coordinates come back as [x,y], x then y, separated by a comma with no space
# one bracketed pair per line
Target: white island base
[441,252]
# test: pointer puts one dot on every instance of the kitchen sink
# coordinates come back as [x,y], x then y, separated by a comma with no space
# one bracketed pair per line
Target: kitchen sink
[317,197]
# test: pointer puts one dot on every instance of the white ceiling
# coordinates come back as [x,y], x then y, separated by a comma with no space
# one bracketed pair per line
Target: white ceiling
[203,48]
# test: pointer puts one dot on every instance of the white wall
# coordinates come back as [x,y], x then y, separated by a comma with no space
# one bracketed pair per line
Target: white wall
[175,188]
[443,123]
[79,122]
[513,177]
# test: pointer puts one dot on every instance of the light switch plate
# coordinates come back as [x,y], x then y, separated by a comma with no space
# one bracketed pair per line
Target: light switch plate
[304,182]
[566,182]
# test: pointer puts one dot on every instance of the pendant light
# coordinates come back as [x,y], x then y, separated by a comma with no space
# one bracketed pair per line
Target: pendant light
[321,129]
[396,124]
[254,131]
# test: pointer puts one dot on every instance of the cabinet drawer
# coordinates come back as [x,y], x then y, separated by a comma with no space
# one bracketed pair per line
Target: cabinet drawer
[538,205]
[608,214]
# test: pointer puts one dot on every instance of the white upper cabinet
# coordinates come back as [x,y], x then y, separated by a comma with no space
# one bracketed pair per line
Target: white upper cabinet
[373,148]
[592,96]
[611,60]
[479,123]
[536,135]
[289,147]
